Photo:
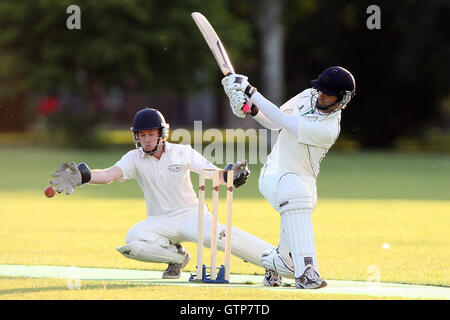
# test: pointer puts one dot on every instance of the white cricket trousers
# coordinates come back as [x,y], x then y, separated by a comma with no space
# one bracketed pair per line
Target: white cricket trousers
[184,227]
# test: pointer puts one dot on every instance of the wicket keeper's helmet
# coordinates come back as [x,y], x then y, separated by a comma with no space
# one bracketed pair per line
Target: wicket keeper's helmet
[336,81]
[147,119]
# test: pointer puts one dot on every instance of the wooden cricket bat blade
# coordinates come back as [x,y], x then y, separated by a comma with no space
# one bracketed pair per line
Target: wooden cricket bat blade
[216,47]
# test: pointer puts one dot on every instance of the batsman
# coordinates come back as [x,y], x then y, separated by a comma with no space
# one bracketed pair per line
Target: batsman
[309,124]
[162,170]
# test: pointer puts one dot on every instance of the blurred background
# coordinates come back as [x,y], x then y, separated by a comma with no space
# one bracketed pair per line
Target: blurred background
[74,86]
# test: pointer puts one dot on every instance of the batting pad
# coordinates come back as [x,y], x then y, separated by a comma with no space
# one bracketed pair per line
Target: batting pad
[244,245]
[297,233]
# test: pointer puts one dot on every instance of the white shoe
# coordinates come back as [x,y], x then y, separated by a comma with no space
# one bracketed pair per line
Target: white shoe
[272,260]
[310,279]
[272,279]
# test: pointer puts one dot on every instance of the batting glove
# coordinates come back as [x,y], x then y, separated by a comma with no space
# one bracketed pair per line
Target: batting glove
[238,82]
[237,100]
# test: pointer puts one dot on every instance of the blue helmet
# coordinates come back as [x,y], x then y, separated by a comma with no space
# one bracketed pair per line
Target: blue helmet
[335,81]
[147,119]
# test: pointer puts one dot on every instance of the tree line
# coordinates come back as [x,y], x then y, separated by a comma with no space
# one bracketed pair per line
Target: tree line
[154,47]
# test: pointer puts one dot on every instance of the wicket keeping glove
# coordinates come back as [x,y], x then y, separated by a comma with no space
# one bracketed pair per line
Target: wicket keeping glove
[240,173]
[69,176]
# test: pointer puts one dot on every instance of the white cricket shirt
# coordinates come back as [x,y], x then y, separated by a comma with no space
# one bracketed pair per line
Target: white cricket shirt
[302,152]
[166,183]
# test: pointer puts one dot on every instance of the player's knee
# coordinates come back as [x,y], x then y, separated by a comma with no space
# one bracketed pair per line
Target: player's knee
[292,194]
[294,204]
[132,249]
[294,201]
[152,243]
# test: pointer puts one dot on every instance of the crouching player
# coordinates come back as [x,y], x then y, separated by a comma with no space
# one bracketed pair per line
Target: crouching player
[162,170]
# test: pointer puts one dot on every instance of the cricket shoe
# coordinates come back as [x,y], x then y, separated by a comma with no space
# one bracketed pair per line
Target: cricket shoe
[173,271]
[272,279]
[310,279]
[272,260]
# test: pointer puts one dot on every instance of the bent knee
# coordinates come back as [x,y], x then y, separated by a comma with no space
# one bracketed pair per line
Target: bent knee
[292,194]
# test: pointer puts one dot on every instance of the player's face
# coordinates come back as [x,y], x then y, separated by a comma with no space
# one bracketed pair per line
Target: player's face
[325,99]
[148,138]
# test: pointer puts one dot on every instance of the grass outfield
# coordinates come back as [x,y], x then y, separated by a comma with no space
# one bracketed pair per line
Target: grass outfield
[49,289]
[380,216]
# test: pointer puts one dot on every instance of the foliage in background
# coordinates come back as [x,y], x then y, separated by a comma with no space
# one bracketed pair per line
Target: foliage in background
[136,45]
[144,44]
[400,70]
[127,49]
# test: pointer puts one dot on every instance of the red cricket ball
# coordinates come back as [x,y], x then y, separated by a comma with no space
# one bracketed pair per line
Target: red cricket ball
[49,192]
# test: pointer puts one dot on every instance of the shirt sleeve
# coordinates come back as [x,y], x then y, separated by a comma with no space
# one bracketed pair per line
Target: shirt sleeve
[196,162]
[317,133]
[276,116]
[264,121]
[286,108]
[310,131]
[128,165]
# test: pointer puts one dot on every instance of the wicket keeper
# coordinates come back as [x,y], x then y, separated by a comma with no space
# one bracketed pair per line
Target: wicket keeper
[162,170]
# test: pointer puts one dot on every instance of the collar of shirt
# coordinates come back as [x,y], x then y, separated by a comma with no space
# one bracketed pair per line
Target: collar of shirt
[327,115]
[167,147]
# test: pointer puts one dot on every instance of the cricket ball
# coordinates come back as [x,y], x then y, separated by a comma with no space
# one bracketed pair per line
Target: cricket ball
[49,192]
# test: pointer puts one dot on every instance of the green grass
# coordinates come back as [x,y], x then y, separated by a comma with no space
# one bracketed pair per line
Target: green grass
[48,289]
[364,175]
[365,200]
[385,175]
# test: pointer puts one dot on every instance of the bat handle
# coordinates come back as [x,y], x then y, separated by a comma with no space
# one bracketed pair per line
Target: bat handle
[246,108]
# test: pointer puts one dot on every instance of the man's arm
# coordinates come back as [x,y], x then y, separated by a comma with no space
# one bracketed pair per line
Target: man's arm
[276,116]
[238,90]
[105,176]
[196,162]
[71,175]
[264,121]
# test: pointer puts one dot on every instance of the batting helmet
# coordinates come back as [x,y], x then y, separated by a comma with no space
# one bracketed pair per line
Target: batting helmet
[336,81]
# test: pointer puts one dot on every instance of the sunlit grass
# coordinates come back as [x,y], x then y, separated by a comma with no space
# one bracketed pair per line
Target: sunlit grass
[380,216]
[51,289]
[349,235]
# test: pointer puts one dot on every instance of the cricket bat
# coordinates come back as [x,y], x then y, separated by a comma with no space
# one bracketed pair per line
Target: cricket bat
[216,47]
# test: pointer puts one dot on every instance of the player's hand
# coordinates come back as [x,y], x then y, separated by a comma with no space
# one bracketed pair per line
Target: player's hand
[234,82]
[237,100]
[238,82]
[240,173]
[69,176]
